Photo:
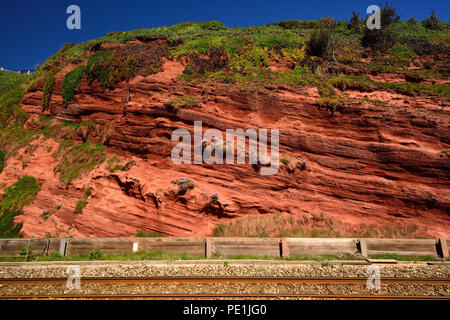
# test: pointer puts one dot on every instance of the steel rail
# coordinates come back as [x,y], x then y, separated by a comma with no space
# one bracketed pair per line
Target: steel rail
[202,296]
[327,280]
[211,280]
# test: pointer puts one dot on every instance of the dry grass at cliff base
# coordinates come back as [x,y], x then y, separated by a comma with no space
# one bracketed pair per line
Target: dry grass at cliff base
[311,226]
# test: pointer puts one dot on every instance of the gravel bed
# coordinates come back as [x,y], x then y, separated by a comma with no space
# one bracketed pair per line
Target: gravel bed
[55,270]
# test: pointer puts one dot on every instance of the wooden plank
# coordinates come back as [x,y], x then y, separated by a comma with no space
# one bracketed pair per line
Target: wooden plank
[401,246]
[284,248]
[54,245]
[443,243]
[250,248]
[106,245]
[383,261]
[407,241]
[404,253]
[313,246]
[209,248]
[363,246]
[179,241]
[229,251]
[247,247]
[192,246]
[404,247]
[39,247]
[63,247]
[248,241]
[323,241]
[13,247]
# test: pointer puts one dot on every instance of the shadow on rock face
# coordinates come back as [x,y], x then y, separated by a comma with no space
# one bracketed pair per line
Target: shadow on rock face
[215,208]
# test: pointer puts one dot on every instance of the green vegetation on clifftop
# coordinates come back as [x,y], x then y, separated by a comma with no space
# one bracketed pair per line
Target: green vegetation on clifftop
[10,80]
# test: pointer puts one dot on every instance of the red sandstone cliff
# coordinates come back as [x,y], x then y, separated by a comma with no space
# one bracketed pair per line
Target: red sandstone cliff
[368,165]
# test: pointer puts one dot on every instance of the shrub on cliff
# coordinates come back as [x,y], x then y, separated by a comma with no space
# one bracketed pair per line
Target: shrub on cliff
[212,25]
[355,22]
[239,54]
[2,160]
[412,20]
[71,81]
[403,53]
[216,60]
[100,66]
[296,24]
[319,43]
[81,204]
[13,200]
[329,99]
[433,22]
[327,22]
[49,83]
[183,102]
[184,185]
[112,66]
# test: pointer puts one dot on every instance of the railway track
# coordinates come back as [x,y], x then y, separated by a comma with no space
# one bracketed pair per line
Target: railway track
[287,286]
[223,296]
[327,280]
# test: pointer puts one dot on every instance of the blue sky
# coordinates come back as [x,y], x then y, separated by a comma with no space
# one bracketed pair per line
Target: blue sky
[31,31]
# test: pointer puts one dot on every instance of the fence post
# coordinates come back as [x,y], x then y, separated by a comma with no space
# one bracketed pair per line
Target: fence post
[444,248]
[208,248]
[363,247]
[28,250]
[63,247]
[47,246]
[284,248]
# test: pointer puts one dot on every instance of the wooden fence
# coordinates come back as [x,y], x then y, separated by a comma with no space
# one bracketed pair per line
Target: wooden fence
[223,247]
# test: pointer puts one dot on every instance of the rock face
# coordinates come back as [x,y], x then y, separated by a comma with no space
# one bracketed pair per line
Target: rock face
[366,165]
